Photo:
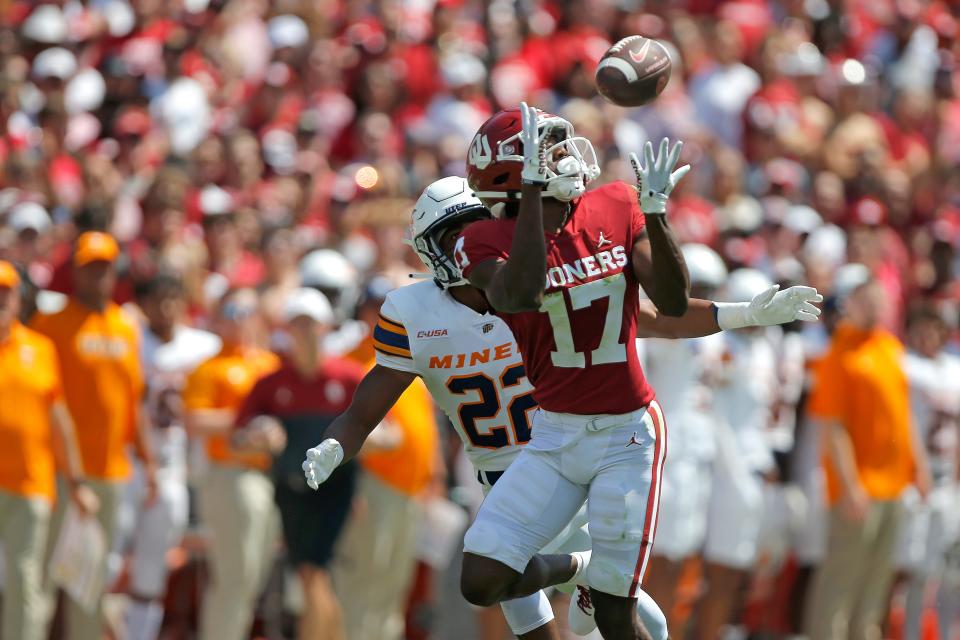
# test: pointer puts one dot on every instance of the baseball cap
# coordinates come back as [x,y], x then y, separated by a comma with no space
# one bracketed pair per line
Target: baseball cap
[9,278]
[849,278]
[215,201]
[55,62]
[29,215]
[310,303]
[868,211]
[287,31]
[46,24]
[94,246]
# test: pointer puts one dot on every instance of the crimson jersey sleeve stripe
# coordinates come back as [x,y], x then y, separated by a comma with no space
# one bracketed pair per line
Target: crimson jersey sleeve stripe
[653,498]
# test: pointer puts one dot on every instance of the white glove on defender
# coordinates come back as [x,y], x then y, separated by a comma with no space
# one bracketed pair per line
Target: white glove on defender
[534,159]
[657,179]
[321,461]
[769,308]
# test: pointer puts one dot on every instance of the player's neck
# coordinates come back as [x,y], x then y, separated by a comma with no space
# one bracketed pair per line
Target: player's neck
[469,297]
[555,214]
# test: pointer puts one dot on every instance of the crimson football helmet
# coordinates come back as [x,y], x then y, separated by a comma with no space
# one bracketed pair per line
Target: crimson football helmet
[495,159]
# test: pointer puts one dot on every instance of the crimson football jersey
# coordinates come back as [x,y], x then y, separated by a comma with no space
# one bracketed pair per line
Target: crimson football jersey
[579,349]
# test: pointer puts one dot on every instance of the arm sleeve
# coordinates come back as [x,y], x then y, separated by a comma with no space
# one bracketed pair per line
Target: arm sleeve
[476,245]
[828,399]
[390,340]
[637,220]
[255,404]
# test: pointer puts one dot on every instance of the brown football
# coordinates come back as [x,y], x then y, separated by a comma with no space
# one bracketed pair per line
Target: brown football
[633,71]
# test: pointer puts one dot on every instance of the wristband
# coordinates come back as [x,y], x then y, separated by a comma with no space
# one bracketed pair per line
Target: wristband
[733,315]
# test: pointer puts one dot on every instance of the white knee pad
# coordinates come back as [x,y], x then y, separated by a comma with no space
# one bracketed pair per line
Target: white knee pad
[651,616]
[528,613]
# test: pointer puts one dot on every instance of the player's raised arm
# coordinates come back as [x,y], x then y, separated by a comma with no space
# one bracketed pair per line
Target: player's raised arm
[377,393]
[517,283]
[705,317]
[657,260]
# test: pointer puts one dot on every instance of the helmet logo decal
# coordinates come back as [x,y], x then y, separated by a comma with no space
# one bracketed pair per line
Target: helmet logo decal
[480,155]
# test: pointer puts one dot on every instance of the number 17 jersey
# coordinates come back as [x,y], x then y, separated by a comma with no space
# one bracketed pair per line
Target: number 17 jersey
[578,348]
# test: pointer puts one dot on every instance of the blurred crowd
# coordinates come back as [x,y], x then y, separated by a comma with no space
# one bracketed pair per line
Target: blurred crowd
[203,163]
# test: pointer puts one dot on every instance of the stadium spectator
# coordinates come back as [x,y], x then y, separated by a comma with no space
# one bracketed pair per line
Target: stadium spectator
[861,401]
[98,346]
[284,415]
[34,421]
[235,496]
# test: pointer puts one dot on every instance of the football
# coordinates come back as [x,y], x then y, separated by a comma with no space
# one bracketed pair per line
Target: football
[633,72]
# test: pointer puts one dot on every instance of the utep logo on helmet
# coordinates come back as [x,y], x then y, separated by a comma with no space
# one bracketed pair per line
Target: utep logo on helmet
[457,207]
[480,155]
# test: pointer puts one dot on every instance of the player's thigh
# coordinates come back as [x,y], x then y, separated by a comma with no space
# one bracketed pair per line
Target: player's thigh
[622,506]
[529,505]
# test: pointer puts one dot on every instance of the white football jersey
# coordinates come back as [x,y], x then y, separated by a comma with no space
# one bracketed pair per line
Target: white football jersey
[935,405]
[470,364]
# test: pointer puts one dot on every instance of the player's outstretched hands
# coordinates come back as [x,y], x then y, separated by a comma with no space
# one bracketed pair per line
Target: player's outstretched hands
[534,155]
[656,177]
[781,307]
[321,461]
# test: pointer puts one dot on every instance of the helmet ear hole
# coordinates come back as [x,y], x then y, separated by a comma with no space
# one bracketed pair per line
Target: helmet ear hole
[502,178]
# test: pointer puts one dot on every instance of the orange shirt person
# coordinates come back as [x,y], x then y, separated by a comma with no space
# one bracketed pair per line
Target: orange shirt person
[860,399]
[97,346]
[235,497]
[33,423]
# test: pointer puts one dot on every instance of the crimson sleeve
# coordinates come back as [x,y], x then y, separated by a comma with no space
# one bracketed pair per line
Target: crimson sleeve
[477,244]
[257,403]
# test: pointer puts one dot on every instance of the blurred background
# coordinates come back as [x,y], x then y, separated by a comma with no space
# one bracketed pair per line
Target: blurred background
[222,143]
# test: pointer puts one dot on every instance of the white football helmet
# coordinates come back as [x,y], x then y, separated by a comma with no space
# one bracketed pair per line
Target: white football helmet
[329,272]
[705,266]
[441,203]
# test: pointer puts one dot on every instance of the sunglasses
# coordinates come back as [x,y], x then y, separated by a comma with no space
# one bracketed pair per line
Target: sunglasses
[233,311]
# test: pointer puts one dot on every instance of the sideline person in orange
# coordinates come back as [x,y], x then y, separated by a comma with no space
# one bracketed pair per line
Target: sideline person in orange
[860,400]
[98,349]
[236,496]
[34,422]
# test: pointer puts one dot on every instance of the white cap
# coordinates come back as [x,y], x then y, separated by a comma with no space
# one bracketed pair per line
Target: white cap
[826,246]
[287,31]
[310,303]
[185,113]
[849,278]
[280,150]
[85,91]
[327,269]
[462,69]
[705,265]
[744,284]
[82,129]
[119,17]
[805,61]
[55,62]
[802,219]
[215,201]
[28,215]
[46,24]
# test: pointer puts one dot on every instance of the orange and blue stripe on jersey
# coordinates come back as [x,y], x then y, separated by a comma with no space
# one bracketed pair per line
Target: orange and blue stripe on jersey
[390,338]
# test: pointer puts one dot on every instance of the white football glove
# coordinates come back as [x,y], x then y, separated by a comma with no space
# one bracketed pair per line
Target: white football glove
[656,178]
[534,158]
[769,308]
[321,461]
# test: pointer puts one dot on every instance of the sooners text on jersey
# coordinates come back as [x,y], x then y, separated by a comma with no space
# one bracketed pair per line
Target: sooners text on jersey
[578,348]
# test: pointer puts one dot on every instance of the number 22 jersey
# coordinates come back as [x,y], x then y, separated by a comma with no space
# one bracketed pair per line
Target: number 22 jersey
[470,364]
[578,348]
